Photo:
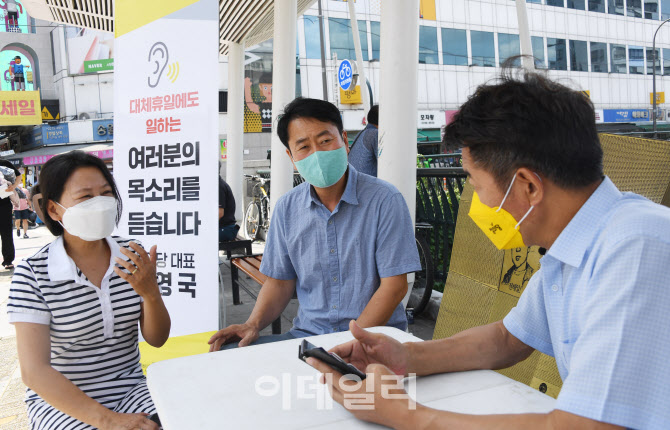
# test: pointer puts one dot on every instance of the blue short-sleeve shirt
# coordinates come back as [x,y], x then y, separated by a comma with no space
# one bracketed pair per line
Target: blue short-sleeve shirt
[600,306]
[339,258]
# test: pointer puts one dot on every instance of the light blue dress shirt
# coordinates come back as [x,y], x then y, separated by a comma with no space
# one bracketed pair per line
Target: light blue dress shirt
[338,258]
[364,151]
[600,304]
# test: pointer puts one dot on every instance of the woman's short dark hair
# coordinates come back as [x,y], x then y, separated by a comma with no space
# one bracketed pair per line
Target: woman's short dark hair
[55,174]
[527,120]
[307,108]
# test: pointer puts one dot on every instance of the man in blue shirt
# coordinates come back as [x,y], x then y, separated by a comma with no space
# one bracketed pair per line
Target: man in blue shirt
[364,151]
[342,240]
[599,303]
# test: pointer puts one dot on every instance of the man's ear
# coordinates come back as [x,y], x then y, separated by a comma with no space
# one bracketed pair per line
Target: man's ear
[533,185]
[289,156]
[346,141]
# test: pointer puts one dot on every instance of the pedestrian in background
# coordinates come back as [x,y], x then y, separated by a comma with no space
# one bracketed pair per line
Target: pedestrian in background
[22,210]
[365,149]
[8,181]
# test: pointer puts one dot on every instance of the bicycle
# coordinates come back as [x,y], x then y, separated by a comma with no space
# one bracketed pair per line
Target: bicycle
[424,278]
[257,216]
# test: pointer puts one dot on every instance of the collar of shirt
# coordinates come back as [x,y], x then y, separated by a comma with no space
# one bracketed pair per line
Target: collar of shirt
[577,236]
[61,267]
[349,195]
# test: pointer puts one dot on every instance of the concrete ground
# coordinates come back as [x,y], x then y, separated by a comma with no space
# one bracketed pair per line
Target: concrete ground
[12,408]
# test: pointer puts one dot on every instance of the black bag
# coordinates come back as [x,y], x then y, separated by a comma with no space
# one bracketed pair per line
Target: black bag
[32,217]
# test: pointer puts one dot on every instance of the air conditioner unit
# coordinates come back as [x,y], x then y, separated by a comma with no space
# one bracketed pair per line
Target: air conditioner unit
[87,115]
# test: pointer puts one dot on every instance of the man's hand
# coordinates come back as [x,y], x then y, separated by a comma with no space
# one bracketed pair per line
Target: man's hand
[373,348]
[245,333]
[380,398]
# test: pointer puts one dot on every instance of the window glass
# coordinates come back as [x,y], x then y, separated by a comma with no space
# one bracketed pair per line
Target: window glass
[578,56]
[618,58]
[599,57]
[665,9]
[342,40]
[483,50]
[428,45]
[558,3]
[508,46]
[375,29]
[556,54]
[651,9]
[454,47]
[597,6]
[636,60]
[534,1]
[538,51]
[576,4]
[666,61]
[650,61]
[615,7]
[312,36]
[634,8]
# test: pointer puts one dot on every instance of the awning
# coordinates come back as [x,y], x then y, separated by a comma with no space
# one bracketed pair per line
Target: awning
[41,155]
[428,135]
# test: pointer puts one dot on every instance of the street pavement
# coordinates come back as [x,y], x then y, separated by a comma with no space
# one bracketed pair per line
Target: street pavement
[12,408]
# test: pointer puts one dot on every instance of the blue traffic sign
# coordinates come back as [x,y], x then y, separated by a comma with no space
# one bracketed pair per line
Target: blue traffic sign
[345,75]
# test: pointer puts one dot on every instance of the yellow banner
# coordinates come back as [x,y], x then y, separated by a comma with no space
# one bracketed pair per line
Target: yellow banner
[351,97]
[660,97]
[130,15]
[20,108]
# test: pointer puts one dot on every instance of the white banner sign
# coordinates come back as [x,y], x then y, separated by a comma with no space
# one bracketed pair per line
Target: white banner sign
[166,149]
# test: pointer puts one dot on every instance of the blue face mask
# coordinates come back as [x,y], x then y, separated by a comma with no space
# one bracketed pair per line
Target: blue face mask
[324,168]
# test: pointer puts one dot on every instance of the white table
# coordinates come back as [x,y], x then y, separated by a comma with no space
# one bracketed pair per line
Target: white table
[224,390]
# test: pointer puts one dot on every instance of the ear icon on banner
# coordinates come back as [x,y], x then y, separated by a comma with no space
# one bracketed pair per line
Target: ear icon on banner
[158,55]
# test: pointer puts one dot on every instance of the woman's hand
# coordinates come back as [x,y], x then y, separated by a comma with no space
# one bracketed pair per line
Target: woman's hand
[140,270]
[117,421]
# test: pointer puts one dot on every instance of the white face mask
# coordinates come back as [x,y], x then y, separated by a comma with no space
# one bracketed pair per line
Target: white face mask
[3,191]
[93,219]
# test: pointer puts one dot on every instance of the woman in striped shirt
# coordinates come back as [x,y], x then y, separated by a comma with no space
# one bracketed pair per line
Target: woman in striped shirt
[76,305]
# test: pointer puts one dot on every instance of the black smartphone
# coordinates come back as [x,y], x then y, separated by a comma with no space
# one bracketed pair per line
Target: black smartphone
[306,349]
[154,417]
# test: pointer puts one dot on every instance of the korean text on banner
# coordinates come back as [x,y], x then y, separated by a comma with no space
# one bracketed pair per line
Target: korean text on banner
[20,108]
[166,147]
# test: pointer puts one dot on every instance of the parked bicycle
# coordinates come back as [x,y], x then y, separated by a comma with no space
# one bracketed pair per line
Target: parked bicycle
[425,278]
[257,216]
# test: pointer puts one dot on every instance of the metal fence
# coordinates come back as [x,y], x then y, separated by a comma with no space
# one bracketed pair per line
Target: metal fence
[438,193]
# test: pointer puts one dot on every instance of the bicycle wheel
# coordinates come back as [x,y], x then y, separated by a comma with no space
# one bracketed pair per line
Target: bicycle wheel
[264,221]
[423,279]
[252,219]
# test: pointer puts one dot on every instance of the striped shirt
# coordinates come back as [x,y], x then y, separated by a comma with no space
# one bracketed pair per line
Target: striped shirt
[94,331]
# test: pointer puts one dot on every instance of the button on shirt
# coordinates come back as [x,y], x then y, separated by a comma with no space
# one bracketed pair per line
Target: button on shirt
[600,306]
[338,258]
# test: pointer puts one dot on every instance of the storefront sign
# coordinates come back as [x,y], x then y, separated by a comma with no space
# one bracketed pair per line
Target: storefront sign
[20,108]
[103,129]
[165,151]
[430,119]
[626,115]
